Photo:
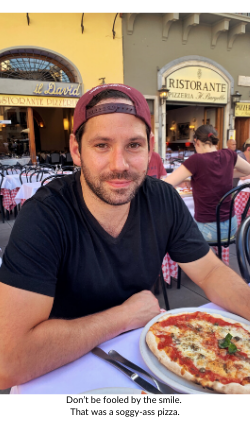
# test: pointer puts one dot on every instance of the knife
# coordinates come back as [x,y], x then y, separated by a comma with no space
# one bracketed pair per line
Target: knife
[165,389]
[136,378]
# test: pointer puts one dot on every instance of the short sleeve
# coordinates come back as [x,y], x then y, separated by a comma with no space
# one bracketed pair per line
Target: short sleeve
[32,257]
[191,163]
[162,170]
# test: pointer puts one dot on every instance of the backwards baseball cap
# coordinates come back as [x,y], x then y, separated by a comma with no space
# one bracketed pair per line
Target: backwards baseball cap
[140,108]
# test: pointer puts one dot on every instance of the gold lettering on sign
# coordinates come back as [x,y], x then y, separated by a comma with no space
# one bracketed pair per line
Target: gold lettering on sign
[38,89]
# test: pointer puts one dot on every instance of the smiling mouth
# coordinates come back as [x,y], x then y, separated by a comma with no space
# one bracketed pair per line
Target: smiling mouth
[119,184]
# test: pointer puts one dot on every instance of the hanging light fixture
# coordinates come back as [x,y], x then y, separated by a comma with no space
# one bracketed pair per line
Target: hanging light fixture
[236,97]
[163,93]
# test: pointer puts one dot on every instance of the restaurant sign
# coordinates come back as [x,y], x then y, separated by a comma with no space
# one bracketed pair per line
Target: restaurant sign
[242,109]
[34,101]
[49,89]
[197,84]
[56,89]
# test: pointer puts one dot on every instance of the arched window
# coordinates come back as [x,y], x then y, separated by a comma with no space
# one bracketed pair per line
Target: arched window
[34,66]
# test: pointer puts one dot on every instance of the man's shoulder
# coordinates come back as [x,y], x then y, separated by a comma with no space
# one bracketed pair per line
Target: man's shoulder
[56,195]
[57,187]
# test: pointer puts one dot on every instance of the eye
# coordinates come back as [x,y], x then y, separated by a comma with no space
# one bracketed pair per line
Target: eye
[101,145]
[134,145]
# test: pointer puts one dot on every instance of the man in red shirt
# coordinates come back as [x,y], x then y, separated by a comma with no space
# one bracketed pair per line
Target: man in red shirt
[155,167]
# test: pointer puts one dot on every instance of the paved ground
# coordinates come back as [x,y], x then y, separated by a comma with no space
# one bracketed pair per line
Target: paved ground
[189,295]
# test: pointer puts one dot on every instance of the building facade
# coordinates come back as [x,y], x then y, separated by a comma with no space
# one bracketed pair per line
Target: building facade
[47,61]
[202,60]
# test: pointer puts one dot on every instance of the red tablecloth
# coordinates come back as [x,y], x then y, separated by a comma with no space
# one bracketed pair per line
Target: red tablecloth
[8,198]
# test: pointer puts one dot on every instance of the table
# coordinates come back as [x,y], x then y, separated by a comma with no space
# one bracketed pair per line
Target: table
[241,200]
[13,161]
[90,372]
[26,191]
[10,188]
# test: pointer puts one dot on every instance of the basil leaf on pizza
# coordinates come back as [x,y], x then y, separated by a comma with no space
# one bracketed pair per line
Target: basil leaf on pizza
[226,343]
[207,349]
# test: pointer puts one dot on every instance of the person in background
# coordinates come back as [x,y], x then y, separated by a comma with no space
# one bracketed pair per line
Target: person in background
[231,144]
[155,167]
[245,154]
[212,173]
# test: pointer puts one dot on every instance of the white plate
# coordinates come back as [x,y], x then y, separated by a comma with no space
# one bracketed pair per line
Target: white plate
[179,384]
[114,390]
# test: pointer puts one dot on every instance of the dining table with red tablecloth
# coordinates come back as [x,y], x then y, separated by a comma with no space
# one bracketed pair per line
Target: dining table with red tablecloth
[10,187]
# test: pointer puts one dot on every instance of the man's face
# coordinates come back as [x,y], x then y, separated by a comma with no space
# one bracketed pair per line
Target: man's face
[231,144]
[114,155]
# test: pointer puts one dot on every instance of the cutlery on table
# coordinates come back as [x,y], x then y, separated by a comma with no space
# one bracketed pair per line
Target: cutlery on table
[165,389]
[132,375]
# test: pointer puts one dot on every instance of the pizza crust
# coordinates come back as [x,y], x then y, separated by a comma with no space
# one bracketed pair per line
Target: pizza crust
[231,388]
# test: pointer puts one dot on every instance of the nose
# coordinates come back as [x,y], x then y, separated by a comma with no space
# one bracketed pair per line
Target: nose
[118,160]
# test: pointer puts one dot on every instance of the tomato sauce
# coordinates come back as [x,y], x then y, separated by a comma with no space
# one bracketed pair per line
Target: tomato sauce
[183,322]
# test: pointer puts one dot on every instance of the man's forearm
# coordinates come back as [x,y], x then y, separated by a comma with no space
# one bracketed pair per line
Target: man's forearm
[53,343]
[227,289]
[50,344]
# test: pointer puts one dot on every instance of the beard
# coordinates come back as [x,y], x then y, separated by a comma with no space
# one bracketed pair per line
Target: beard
[118,196]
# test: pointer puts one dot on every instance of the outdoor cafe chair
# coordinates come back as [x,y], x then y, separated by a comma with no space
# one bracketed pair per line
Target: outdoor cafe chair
[51,178]
[39,173]
[55,158]
[68,169]
[160,284]
[1,197]
[219,243]
[243,249]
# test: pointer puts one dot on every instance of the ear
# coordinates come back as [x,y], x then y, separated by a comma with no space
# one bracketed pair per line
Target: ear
[74,150]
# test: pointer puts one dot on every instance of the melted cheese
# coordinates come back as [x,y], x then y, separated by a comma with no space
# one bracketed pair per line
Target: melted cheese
[198,341]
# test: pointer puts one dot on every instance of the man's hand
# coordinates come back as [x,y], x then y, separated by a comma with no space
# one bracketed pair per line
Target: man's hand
[140,309]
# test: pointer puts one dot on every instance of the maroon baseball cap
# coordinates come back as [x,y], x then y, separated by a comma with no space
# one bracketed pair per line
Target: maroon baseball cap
[140,108]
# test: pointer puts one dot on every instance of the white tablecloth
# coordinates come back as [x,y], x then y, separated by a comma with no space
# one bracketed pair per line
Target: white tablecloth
[90,372]
[11,182]
[27,191]
[245,181]
[13,161]
[189,202]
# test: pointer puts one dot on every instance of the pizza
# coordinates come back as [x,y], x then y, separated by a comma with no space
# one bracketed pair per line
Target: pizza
[207,349]
[185,191]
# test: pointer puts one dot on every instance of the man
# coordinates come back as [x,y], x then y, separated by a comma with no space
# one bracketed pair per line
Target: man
[231,144]
[86,249]
[155,167]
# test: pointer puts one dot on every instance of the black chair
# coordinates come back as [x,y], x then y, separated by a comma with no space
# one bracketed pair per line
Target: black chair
[1,197]
[51,178]
[17,169]
[160,284]
[55,158]
[230,239]
[26,172]
[68,168]
[69,160]
[243,249]
[39,173]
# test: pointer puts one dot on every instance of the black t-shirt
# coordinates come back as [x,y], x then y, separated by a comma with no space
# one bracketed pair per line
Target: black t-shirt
[57,247]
